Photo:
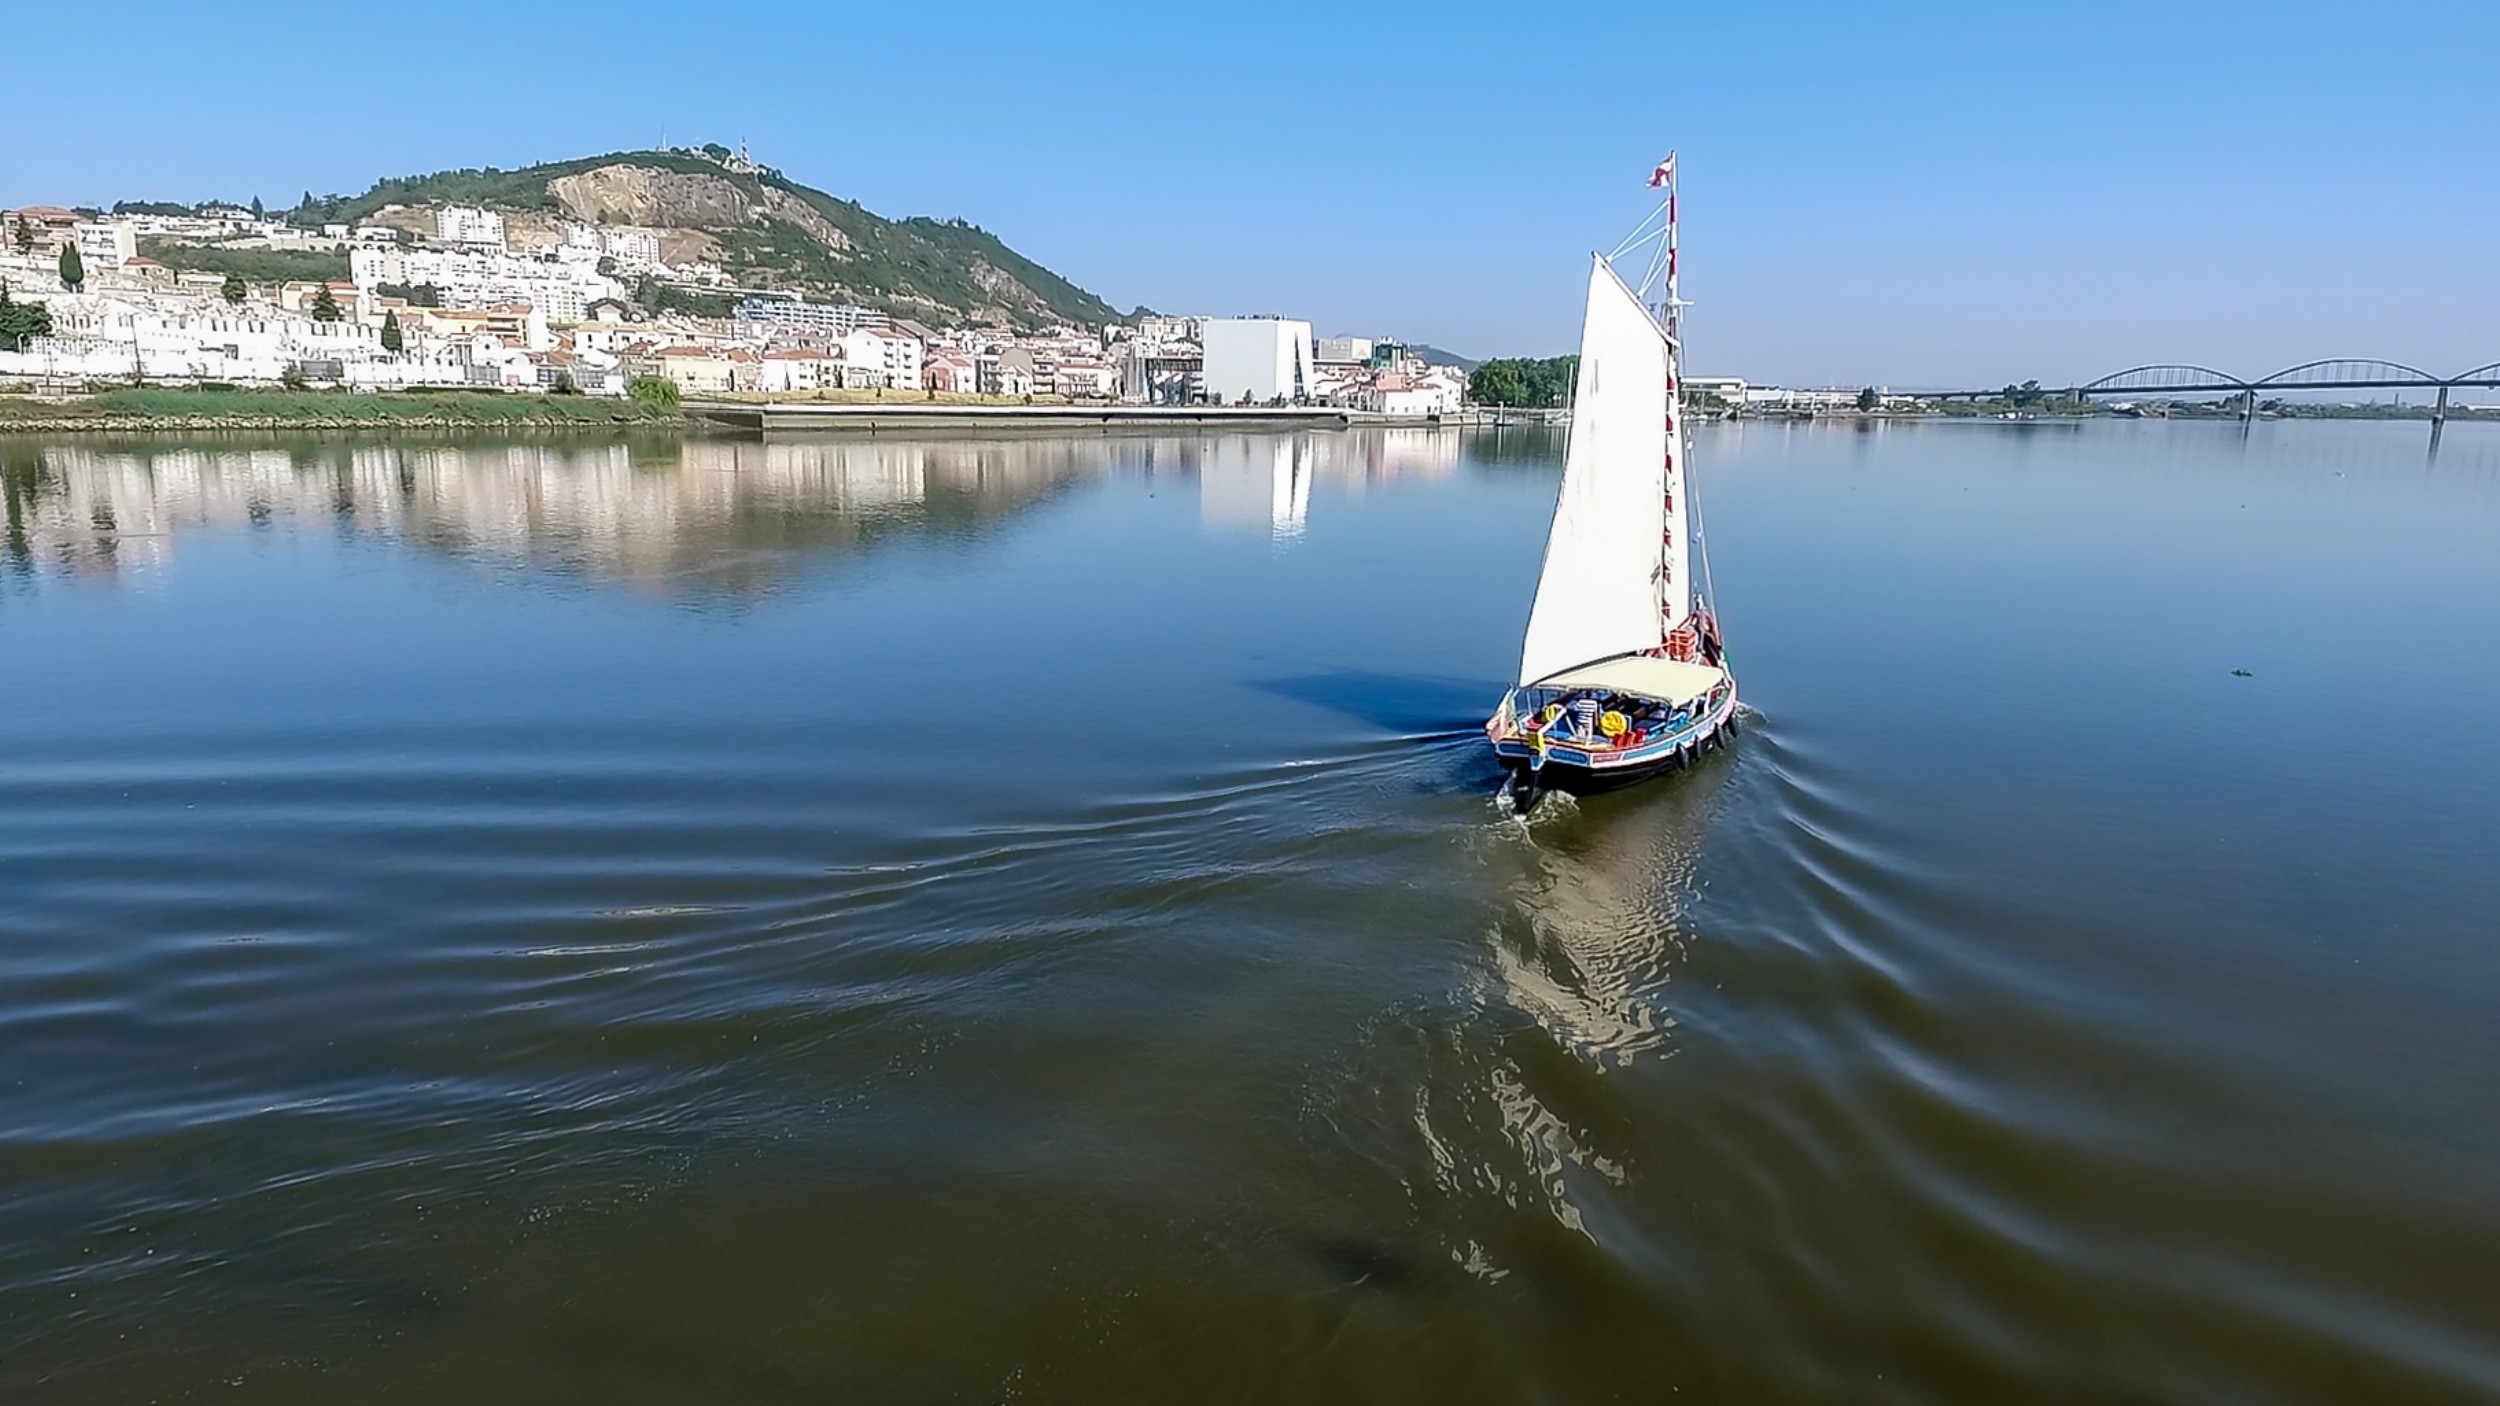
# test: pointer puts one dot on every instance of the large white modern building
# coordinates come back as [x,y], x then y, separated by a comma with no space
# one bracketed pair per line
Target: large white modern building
[466,224]
[1258,358]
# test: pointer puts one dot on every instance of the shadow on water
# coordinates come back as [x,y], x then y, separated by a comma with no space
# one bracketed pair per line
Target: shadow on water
[1413,707]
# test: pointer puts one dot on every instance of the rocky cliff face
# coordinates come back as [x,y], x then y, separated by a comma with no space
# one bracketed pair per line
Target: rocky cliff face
[641,195]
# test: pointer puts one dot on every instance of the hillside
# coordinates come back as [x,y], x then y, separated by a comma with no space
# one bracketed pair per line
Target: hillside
[1434,356]
[765,230]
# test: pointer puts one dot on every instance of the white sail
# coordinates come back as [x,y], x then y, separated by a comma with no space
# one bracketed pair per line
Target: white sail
[1616,577]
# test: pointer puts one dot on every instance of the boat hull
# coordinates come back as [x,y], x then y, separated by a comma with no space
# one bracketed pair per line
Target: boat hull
[1591,771]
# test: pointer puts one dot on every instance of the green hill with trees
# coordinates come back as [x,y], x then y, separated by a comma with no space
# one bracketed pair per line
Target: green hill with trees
[771,233]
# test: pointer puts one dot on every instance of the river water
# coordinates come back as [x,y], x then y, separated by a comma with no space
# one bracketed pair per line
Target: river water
[1024,920]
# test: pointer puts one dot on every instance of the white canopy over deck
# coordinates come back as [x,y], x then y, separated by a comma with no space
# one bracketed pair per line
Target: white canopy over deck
[1670,681]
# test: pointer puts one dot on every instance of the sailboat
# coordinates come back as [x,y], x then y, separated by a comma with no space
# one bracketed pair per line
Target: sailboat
[1622,675]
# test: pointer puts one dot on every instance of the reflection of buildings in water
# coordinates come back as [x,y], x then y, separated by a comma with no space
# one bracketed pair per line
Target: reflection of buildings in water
[1262,483]
[711,515]
[1258,484]
[706,515]
[1412,451]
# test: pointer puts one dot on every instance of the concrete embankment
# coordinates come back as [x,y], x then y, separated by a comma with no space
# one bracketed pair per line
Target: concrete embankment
[908,415]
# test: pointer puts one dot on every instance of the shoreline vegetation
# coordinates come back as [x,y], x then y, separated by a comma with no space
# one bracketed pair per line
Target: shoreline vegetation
[141,408]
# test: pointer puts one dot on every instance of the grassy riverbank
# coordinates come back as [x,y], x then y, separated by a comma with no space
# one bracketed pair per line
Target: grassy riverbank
[171,408]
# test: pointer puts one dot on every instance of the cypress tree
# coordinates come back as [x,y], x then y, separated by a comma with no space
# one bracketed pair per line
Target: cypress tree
[73,268]
[391,340]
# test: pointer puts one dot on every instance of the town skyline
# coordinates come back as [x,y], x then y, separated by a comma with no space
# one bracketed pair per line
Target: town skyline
[2074,199]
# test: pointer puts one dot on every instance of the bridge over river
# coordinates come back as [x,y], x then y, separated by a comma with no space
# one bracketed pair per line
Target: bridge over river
[2167,379]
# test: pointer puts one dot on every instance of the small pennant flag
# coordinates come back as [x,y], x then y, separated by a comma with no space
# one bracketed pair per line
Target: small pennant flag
[1664,174]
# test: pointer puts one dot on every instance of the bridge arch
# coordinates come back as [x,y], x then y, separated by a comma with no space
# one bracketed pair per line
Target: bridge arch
[2479,373]
[2347,371]
[2164,376]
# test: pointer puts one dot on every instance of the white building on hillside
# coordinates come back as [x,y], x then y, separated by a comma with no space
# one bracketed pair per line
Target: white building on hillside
[634,250]
[562,284]
[1258,359]
[466,224]
[107,243]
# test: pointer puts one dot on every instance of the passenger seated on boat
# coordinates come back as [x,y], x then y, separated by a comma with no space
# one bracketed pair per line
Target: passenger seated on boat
[1583,709]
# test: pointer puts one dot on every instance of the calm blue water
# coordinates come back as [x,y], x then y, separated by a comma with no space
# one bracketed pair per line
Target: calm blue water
[1026,920]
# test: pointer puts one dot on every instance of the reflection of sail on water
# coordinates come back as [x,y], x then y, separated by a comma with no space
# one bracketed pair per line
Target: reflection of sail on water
[1584,947]
[1587,950]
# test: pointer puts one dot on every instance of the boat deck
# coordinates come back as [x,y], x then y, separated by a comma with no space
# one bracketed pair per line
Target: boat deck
[1533,724]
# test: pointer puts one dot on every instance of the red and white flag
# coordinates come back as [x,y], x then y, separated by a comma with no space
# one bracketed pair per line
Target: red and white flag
[1664,174]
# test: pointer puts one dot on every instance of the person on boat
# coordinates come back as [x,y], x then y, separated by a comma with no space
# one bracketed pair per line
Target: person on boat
[1583,709]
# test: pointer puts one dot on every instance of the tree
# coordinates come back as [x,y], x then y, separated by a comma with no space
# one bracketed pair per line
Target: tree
[652,392]
[1524,381]
[565,384]
[1497,383]
[325,308]
[1868,400]
[293,376]
[391,339]
[73,268]
[24,236]
[257,212]
[21,321]
[234,290]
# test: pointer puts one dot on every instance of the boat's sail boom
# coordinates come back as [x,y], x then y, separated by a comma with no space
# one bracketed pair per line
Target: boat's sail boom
[1617,576]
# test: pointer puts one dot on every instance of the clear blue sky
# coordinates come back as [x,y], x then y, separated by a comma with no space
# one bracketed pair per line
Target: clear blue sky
[1905,193]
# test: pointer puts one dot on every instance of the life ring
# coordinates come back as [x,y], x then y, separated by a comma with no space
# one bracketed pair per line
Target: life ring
[1613,724]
